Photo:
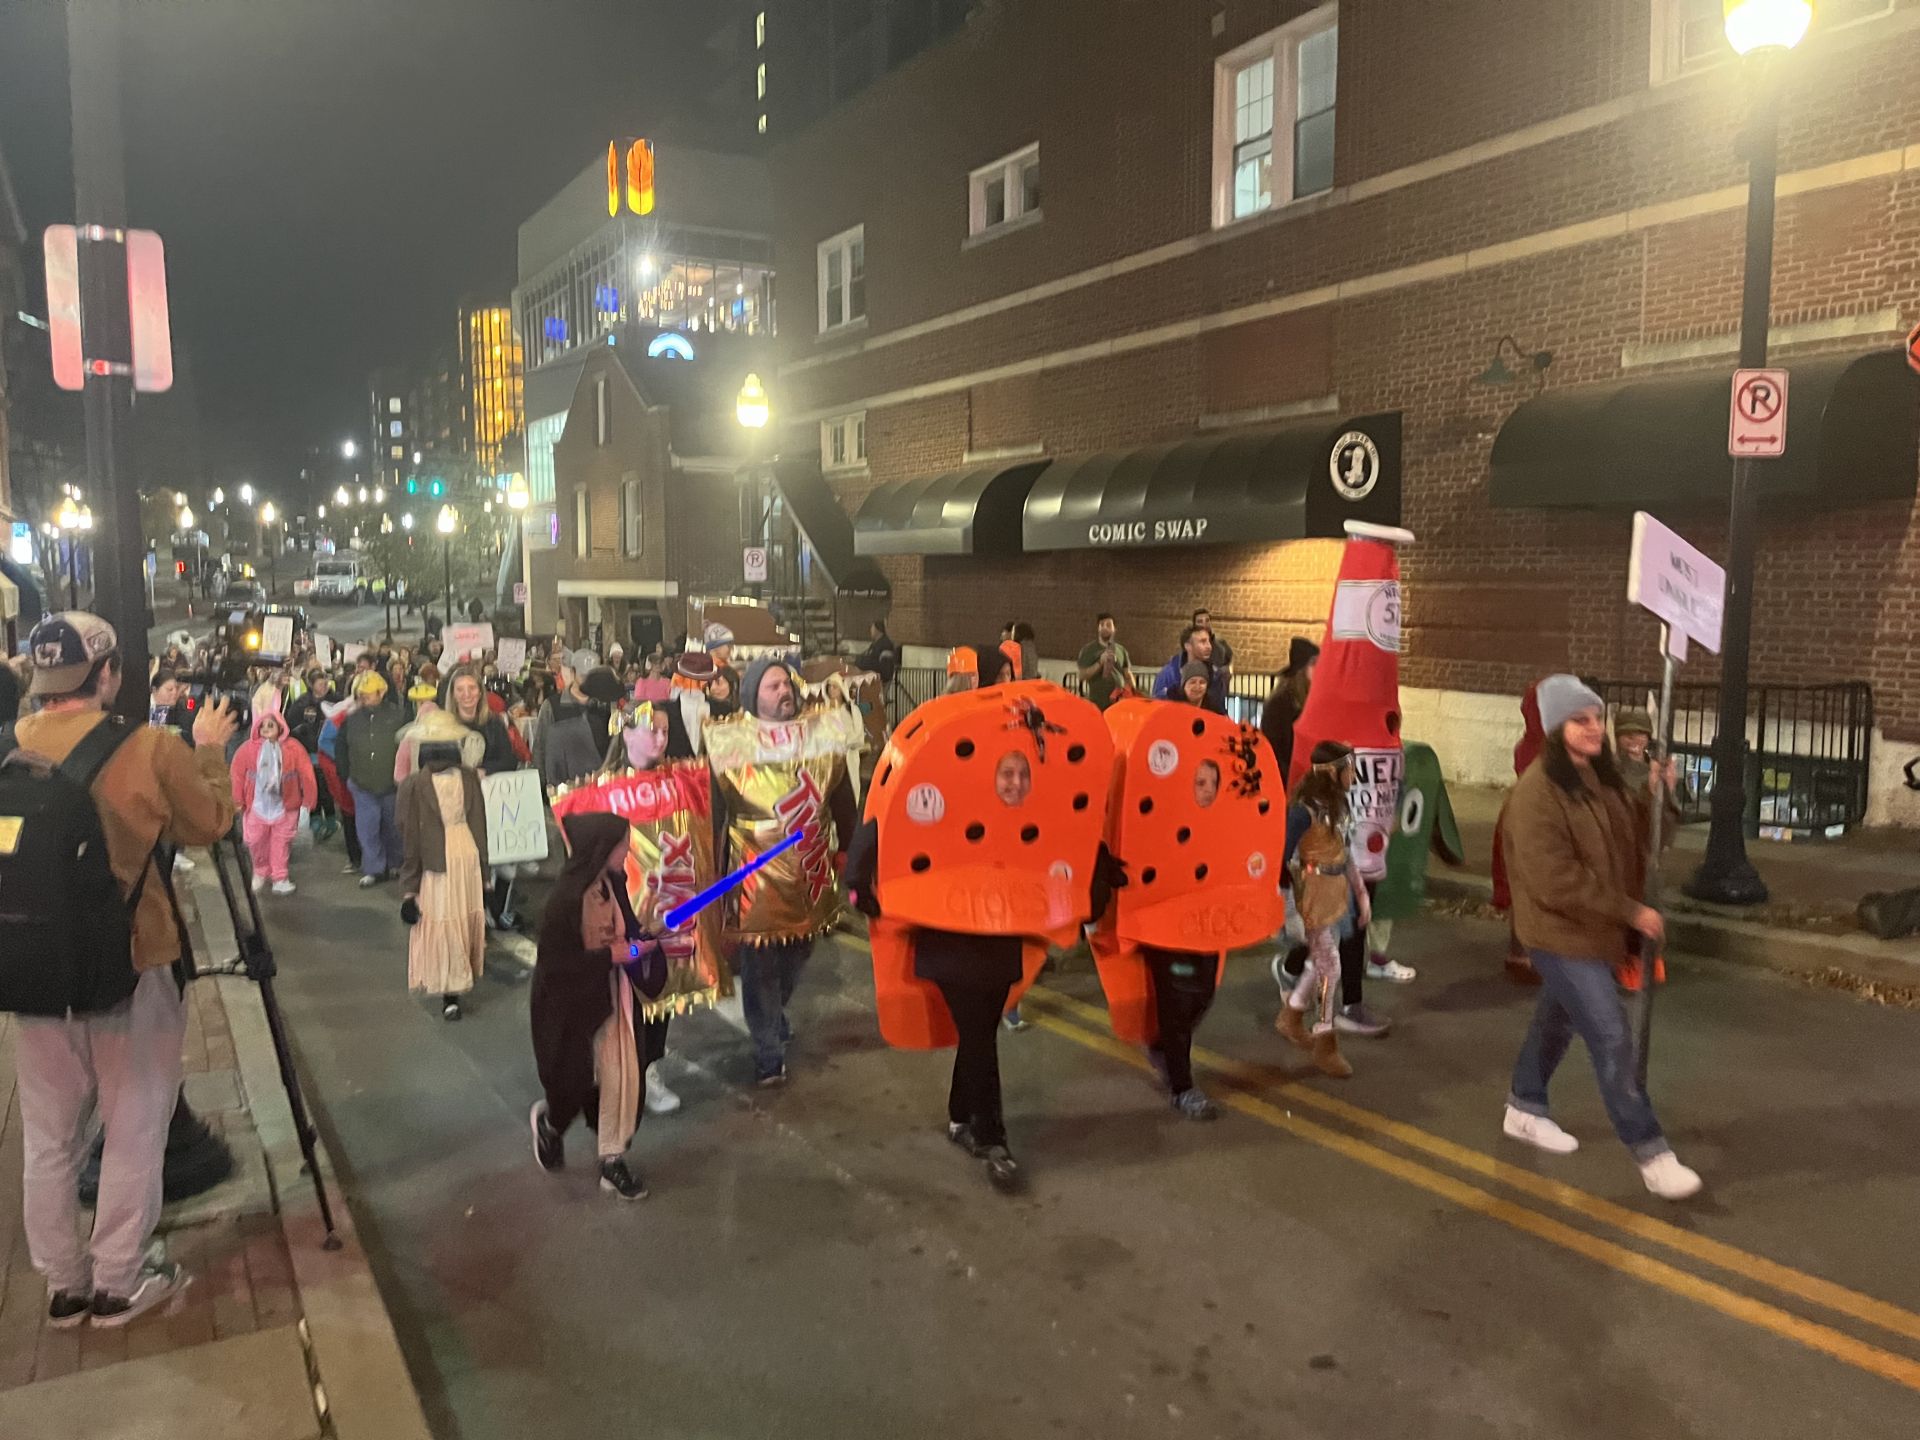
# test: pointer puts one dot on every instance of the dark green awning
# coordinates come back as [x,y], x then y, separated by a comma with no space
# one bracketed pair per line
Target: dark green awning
[1853,436]
[963,512]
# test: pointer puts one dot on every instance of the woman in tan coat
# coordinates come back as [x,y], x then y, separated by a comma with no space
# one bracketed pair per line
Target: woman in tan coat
[1575,840]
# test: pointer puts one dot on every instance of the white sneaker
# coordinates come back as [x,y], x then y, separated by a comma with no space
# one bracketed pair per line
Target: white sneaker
[259,884]
[181,864]
[1668,1178]
[157,1284]
[660,1100]
[283,887]
[1539,1132]
[1391,971]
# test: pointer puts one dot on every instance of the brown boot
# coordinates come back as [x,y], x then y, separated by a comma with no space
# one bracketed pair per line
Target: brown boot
[1327,1058]
[1290,1024]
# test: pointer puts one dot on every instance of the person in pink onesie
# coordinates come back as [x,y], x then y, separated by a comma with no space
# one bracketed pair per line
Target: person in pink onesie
[273,783]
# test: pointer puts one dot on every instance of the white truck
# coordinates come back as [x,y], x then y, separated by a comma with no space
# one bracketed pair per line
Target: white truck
[339,577]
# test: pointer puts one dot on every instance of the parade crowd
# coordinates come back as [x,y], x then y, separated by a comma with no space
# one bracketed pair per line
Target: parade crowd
[729,791]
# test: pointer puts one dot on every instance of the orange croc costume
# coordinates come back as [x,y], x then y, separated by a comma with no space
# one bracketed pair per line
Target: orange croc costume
[952,857]
[1200,879]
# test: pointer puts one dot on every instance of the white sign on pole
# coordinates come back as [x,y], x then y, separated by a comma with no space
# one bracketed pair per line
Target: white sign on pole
[519,592]
[512,658]
[323,652]
[1757,419]
[1676,582]
[464,642]
[754,562]
[516,817]
[276,637]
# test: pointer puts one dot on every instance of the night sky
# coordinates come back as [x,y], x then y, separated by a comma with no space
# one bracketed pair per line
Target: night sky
[332,177]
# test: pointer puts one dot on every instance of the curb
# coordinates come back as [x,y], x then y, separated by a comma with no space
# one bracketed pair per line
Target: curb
[361,1385]
[1799,953]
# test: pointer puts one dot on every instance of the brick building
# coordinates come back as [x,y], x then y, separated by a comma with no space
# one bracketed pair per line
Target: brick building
[1262,221]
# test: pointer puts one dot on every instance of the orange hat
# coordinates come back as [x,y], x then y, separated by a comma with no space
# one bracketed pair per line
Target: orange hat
[1011,649]
[963,660]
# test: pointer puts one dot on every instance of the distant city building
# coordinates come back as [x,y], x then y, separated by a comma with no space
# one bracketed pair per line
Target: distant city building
[493,363]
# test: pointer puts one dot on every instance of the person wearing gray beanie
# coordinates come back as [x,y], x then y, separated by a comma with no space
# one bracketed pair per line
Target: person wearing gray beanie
[1575,842]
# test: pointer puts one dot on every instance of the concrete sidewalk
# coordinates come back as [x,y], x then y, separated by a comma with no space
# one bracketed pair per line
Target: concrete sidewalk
[1807,927]
[277,1339]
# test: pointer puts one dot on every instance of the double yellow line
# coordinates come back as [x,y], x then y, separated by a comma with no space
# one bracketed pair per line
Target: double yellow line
[1086,1026]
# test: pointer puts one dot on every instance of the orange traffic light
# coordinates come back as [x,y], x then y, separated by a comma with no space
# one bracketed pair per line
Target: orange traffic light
[640,177]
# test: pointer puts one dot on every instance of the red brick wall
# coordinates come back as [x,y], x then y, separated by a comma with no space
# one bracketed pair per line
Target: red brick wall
[1494,597]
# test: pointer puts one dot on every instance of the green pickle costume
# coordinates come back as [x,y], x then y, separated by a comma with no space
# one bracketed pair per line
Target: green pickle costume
[1426,827]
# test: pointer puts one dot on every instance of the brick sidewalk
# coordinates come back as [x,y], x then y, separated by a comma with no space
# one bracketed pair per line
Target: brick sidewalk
[233,1244]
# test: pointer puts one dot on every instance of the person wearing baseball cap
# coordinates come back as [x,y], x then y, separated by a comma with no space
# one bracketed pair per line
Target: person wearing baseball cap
[153,791]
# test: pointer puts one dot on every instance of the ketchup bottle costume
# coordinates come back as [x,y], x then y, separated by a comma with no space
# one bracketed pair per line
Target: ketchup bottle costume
[1202,879]
[965,890]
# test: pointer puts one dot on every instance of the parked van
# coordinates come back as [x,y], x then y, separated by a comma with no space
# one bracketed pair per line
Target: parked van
[339,577]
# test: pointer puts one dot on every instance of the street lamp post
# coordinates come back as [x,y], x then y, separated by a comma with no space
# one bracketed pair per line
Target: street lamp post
[273,566]
[446,525]
[1761,31]
[753,410]
[386,577]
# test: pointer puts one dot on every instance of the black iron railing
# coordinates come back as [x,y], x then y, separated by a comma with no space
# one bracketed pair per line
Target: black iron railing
[1810,750]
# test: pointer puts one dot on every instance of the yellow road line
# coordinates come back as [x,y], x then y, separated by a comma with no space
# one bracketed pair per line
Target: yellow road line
[1845,1348]
[1754,1268]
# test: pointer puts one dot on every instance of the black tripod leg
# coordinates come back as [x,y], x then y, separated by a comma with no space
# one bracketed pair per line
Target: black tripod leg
[302,1123]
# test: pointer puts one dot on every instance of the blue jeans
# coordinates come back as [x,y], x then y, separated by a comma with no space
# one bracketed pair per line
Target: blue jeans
[1578,997]
[376,820]
[768,974]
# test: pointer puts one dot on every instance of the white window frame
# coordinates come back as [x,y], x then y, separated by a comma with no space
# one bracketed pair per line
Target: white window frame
[602,413]
[843,442]
[760,81]
[1010,171]
[843,245]
[1282,47]
[632,517]
[582,522]
[1669,17]
[760,31]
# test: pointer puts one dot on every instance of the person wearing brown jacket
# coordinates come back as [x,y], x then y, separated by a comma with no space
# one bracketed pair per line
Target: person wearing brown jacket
[124,1062]
[1574,838]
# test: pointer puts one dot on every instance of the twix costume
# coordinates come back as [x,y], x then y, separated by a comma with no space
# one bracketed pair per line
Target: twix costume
[954,857]
[670,811]
[1197,816]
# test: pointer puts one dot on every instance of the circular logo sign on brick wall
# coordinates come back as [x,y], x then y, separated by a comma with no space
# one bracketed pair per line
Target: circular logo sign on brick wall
[1354,465]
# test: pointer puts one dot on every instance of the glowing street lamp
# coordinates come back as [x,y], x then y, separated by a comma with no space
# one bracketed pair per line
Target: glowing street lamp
[219,496]
[406,522]
[246,494]
[68,519]
[752,408]
[518,496]
[446,524]
[342,496]
[1763,31]
[348,449]
[186,517]
[267,513]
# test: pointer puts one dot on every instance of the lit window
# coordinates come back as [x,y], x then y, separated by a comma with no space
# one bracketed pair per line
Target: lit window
[630,533]
[1690,35]
[760,31]
[393,428]
[1274,102]
[763,124]
[1005,191]
[843,442]
[760,80]
[397,451]
[393,405]
[582,522]
[843,279]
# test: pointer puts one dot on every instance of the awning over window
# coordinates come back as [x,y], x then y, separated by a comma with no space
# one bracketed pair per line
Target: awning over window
[1302,481]
[826,528]
[963,512]
[1853,425]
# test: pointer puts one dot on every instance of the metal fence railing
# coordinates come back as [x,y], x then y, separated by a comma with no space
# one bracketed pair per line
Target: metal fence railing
[1810,748]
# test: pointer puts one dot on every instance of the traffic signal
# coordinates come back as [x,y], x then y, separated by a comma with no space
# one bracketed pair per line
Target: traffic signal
[436,489]
[413,487]
[180,567]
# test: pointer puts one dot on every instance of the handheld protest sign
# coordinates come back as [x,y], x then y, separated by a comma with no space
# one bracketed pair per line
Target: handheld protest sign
[1198,816]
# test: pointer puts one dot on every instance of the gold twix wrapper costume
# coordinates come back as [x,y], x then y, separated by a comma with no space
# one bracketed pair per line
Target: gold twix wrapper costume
[774,778]
[670,810]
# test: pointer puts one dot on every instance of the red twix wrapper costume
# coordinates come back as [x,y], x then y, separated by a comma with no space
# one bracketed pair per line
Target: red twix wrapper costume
[1201,878]
[953,857]
[1356,689]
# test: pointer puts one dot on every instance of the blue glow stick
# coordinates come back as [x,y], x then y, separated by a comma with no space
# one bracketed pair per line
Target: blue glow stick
[687,909]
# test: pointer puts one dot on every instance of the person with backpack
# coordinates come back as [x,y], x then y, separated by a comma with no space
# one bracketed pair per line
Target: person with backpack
[92,947]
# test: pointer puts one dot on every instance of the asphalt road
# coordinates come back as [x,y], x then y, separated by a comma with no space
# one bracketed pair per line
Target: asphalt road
[1358,1259]
[337,622]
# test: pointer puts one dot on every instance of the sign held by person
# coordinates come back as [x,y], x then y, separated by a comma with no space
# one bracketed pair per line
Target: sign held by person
[511,658]
[516,817]
[468,642]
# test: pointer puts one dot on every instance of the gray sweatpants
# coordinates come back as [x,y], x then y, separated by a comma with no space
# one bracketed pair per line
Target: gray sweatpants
[128,1059]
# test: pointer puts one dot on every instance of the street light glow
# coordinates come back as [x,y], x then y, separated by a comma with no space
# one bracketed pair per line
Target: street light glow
[67,517]
[267,514]
[341,497]
[348,449]
[379,495]
[518,497]
[363,494]
[448,521]
[219,496]
[246,494]
[320,512]
[186,517]
[406,521]
[1766,24]
[752,409]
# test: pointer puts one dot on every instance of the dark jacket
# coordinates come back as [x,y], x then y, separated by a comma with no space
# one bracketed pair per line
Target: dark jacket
[882,658]
[305,720]
[1575,850]
[9,696]
[423,837]
[368,746]
[572,745]
[1166,685]
[1277,719]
